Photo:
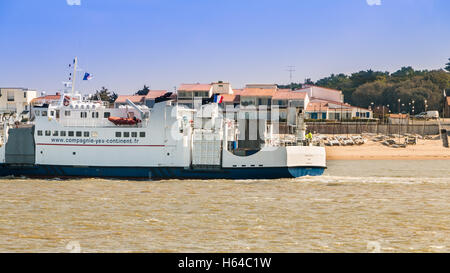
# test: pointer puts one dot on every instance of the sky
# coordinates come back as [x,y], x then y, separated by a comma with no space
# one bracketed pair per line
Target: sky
[125,44]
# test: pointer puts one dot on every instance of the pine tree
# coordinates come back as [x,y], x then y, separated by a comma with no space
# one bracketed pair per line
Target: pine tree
[144,91]
[447,66]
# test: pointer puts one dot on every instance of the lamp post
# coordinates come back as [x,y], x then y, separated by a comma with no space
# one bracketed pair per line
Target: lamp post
[388,110]
[378,121]
[413,115]
[407,121]
[372,109]
[389,125]
[425,119]
[399,121]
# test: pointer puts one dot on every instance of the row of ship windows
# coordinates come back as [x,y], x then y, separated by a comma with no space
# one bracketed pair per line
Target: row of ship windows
[86,133]
[67,114]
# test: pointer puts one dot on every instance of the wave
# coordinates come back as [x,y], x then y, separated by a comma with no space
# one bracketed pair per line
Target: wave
[373,179]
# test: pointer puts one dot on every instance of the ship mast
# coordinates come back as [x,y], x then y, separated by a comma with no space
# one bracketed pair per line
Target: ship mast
[75,63]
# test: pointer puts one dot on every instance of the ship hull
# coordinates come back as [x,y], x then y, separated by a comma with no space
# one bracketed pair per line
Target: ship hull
[156,173]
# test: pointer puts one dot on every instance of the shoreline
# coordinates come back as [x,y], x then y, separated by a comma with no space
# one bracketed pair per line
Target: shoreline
[423,150]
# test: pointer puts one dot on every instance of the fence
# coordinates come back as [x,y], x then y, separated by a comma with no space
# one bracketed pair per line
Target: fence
[358,128]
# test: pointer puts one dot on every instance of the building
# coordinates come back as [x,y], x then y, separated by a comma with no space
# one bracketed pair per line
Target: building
[47,99]
[233,99]
[187,93]
[262,86]
[222,88]
[314,102]
[147,100]
[398,119]
[329,110]
[290,104]
[16,100]
[322,93]
[252,96]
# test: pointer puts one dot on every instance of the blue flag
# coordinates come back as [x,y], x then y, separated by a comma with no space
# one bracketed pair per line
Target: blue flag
[87,77]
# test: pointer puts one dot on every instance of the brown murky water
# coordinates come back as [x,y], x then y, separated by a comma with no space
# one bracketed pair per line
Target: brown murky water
[357,206]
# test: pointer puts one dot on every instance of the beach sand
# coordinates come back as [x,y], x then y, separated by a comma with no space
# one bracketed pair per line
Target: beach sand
[423,150]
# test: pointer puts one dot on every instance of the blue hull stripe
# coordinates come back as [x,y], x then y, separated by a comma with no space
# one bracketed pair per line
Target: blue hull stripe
[158,172]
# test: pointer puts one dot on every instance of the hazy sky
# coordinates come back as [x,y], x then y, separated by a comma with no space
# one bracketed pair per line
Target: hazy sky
[162,43]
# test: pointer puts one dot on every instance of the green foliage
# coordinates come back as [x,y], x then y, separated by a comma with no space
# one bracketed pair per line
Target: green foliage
[447,65]
[382,88]
[144,91]
[104,95]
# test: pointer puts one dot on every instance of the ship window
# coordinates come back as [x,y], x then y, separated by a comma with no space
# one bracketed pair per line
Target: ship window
[55,133]
[86,134]
[52,113]
[126,134]
[94,134]
[141,134]
[63,133]
[67,113]
[39,133]
[57,113]
[78,133]
[106,114]
[133,134]
[44,113]
[47,133]
[38,112]
[94,114]
[83,114]
[71,133]
[118,134]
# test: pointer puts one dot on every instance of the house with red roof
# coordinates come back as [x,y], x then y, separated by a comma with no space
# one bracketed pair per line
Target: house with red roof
[188,92]
[47,99]
[147,100]
[315,102]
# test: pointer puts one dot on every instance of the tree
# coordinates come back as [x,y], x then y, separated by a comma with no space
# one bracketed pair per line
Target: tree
[309,81]
[104,95]
[382,88]
[367,93]
[447,65]
[144,91]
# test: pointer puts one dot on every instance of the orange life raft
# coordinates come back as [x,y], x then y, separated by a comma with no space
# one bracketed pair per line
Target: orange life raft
[124,121]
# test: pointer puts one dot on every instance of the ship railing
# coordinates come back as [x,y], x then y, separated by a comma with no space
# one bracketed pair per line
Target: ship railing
[103,123]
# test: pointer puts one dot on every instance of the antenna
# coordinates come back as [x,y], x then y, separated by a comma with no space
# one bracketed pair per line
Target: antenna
[291,68]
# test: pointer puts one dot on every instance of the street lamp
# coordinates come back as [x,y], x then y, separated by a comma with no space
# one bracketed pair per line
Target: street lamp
[388,110]
[399,120]
[425,119]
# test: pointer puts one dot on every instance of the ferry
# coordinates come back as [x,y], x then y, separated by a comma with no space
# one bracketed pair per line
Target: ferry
[76,137]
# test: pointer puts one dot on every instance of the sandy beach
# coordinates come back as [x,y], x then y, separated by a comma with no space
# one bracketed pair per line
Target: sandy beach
[424,149]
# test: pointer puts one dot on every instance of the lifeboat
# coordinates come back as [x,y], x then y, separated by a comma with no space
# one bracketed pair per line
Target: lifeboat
[124,121]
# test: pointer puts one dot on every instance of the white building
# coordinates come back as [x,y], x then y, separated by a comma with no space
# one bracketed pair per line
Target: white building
[322,93]
[15,100]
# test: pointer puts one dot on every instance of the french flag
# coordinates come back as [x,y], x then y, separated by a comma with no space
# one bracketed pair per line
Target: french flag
[218,99]
[87,77]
